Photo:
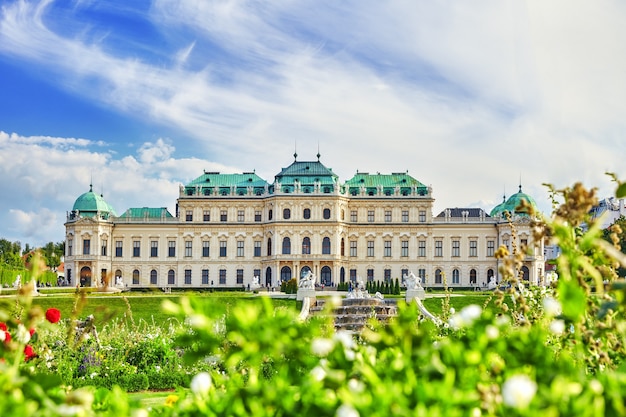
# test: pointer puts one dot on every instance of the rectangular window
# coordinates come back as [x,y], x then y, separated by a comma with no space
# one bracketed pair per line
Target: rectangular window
[456,248]
[223,216]
[240,216]
[370,275]
[491,248]
[387,247]
[222,276]
[257,273]
[240,276]
[70,247]
[205,277]
[257,216]
[523,244]
[388,216]
[118,248]
[154,248]
[188,248]
[405,216]
[438,248]
[240,248]
[222,248]
[422,215]
[103,248]
[206,216]
[370,216]
[205,249]
[387,275]
[171,248]
[353,216]
[257,248]
[86,246]
[353,275]
[421,273]
[421,248]
[188,276]
[473,249]
[189,216]
[370,248]
[353,248]
[405,248]
[505,242]
[136,248]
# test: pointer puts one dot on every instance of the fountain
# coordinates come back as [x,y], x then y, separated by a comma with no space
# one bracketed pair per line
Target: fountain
[356,309]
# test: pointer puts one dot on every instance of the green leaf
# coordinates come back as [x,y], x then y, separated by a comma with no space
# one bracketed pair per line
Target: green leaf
[621,191]
[573,299]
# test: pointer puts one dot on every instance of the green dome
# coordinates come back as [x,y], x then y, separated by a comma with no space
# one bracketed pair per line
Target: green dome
[90,204]
[512,205]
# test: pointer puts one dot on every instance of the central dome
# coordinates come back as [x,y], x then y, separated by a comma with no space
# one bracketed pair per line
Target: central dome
[514,205]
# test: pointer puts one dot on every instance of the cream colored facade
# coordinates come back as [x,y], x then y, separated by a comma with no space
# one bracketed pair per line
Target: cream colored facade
[224,235]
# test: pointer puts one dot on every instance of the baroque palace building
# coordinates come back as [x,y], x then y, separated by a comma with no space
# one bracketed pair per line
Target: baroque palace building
[230,228]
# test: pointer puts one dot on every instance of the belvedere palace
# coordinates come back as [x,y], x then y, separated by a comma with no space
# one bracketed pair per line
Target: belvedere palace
[230,228]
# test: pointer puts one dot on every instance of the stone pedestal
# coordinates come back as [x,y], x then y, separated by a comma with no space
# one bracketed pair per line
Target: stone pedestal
[416,292]
[305,292]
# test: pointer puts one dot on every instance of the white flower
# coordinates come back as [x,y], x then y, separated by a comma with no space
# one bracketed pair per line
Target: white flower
[200,384]
[452,310]
[140,412]
[492,332]
[346,410]
[551,307]
[465,317]
[557,327]
[3,335]
[322,346]
[318,373]
[346,339]
[22,335]
[518,391]
[356,386]
[198,321]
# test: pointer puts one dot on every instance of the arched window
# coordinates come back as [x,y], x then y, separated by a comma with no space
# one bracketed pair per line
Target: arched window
[326,246]
[305,269]
[525,273]
[489,274]
[153,277]
[285,273]
[306,246]
[270,214]
[455,276]
[307,213]
[326,213]
[326,277]
[343,215]
[286,246]
[171,277]
[286,214]
[343,246]
[472,276]
[269,247]
[136,277]
[438,279]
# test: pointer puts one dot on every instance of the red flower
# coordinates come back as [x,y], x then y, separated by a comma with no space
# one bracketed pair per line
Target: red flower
[3,326]
[32,332]
[53,315]
[7,337]
[29,353]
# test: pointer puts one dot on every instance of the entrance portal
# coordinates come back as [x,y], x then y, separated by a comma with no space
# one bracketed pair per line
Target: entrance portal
[85,276]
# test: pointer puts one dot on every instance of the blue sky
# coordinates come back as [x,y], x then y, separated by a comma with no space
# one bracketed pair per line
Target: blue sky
[142,96]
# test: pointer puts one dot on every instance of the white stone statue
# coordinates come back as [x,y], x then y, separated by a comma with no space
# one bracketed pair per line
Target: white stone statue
[492,283]
[18,282]
[255,282]
[307,281]
[119,282]
[412,282]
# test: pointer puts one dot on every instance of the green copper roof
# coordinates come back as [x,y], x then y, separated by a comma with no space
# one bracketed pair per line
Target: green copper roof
[89,204]
[147,212]
[214,183]
[513,205]
[388,183]
[306,175]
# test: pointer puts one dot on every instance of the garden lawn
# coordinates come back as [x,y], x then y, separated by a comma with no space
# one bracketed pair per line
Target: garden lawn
[136,308]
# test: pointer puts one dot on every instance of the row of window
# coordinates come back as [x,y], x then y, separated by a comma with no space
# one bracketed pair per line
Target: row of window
[306,214]
[286,248]
[187,277]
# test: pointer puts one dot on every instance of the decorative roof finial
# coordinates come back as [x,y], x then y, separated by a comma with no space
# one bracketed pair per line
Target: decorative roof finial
[520,182]
[295,153]
[318,151]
